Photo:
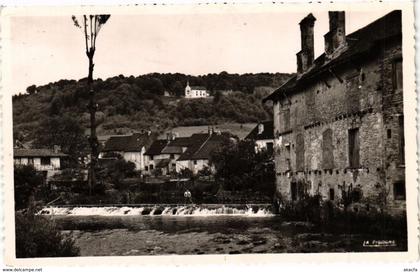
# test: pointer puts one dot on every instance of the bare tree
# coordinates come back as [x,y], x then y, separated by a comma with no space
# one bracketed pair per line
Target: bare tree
[91,25]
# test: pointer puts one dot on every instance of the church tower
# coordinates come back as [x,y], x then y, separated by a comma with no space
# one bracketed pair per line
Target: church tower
[188,90]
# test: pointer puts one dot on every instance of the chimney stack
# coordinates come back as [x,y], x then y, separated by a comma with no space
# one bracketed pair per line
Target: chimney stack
[305,57]
[336,37]
[260,128]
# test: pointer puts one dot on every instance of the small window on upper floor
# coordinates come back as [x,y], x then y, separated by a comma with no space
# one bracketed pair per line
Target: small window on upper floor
[397,75]
[285,119]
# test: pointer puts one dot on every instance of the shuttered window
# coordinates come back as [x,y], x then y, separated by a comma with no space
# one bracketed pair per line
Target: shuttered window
[401,139]
[354,148]
[300,152]
[327,149]
[397,76]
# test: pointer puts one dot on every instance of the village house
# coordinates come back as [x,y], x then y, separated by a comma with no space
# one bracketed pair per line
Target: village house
[197,156]
[163,154]
[263,135]
[154,157]
[131,148]
[195,91]
[339,123]
[47,161]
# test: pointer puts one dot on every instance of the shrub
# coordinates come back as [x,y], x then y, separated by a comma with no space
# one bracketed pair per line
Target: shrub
[37,236]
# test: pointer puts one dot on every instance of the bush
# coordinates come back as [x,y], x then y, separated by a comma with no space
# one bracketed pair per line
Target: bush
[26,181]
[37,236]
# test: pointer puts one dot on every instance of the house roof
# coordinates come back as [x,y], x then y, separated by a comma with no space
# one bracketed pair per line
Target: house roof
[359,44]
[176,146]
[19,153]
[267,134]
[202,147]
[196,141]
[156,147]
[134,142]
[201,88]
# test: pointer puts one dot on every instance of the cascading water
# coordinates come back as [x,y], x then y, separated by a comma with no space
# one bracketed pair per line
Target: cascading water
[160,210]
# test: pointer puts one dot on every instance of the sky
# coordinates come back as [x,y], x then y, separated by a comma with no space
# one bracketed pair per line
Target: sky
[49,48]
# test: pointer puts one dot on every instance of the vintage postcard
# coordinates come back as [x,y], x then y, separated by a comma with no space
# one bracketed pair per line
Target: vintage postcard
[219,133]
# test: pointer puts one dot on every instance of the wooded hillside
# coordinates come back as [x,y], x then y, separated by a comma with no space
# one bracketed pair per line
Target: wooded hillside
[136,103]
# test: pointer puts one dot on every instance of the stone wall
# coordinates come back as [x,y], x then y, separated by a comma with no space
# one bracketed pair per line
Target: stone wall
[312,133]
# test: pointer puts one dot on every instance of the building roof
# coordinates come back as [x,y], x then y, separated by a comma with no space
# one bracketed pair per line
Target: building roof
[202,146]
[196,141]
[360,43]
[126,143]
[156,147]
[21,153]
[267,134]
[176,146]
[201,88]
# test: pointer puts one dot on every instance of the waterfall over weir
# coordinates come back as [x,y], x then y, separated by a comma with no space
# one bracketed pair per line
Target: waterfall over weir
[161,210]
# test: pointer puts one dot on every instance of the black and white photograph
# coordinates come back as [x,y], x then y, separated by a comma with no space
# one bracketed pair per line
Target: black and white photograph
[211,133]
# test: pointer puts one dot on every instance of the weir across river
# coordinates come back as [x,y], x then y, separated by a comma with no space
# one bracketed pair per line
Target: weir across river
[160,209]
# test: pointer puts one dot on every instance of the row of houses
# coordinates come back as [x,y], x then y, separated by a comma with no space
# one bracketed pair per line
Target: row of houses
[150,154]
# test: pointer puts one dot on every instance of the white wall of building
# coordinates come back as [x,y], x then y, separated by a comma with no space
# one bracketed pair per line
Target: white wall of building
[52,166]
[262,144]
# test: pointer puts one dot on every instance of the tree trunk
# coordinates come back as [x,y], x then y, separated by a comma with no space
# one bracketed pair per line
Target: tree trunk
[93,140]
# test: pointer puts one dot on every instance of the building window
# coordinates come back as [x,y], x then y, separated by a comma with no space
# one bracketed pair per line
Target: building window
[389,133]
[45,161]
[293,190]
[146,168]
[172,156]
[399,190]
[195,162]
[151,167]
[286,119]
[173,165]
[397,76]
[332,194]
[151,157]
[401,140]
[354,147]
[31,161]
[300,152]
[288,157]
[327,149]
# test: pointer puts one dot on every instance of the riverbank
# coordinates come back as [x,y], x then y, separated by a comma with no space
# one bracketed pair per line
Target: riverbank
[159,235]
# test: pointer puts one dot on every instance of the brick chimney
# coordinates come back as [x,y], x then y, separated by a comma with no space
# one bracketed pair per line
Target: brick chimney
[57,149]
[336,38]
[305,57]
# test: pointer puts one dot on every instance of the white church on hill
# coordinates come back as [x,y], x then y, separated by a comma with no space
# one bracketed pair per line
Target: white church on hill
[195,91]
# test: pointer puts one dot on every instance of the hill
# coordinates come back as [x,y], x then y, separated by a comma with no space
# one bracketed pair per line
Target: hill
[137,103]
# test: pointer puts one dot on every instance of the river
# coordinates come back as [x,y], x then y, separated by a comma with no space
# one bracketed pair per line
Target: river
[117,232]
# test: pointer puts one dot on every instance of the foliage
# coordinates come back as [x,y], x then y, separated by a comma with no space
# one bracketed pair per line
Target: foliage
[135,103]
[239,167]
[115,171]
[37,236]
[26,181]
[64,131]
[185,173]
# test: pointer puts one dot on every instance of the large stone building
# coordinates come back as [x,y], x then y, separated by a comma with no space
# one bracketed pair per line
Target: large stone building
[339,123]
